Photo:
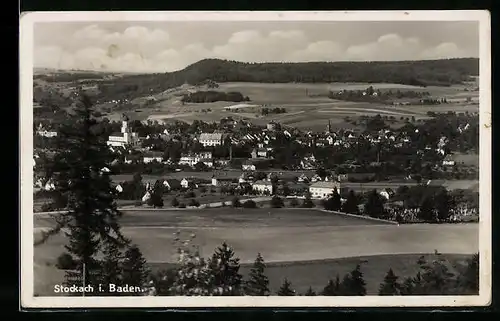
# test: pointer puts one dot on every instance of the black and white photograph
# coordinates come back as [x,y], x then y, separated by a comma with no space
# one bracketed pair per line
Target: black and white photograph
[255,159]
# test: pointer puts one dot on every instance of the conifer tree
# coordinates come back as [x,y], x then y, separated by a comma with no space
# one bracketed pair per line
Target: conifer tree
[331,289]
[351,204]
[469,280]
[224,271]
[336,202]
[286,289]
[374,206]
[134,269]
[390,286]
[258,283]
[443,203]
[355,285]
[310,292]
[426,211]
[92,214]
[111,267]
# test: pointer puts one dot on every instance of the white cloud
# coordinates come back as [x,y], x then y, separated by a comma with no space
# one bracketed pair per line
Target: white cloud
[139,49]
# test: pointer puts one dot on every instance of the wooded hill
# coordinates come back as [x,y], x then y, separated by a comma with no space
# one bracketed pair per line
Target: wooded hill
[420,73]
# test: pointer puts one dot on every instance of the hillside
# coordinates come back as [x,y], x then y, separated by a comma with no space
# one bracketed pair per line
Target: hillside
[419,73]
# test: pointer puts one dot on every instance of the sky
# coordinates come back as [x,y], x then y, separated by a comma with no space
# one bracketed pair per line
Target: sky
[168,46]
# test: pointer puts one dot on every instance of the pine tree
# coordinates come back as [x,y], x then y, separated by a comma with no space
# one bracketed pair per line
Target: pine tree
[111,267]
[224,270]
[390,286]
[426,211]
[443,203]
[258,283]
[356,285]
[156,199]
[470,278]
[336,200]
[92,214]
[135,271]
[286,289]
[351,204]
[310,292]
[332,288]
[374,206]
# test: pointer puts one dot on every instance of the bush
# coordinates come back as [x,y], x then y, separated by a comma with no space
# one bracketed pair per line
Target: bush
[65,262]
[249,204]
[182,205]
[138,203]
[294,202]
[236,202]
[276,202]
[174,202]
[194,202]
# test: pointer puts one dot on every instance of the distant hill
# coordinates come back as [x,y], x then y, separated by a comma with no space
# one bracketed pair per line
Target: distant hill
[419,73]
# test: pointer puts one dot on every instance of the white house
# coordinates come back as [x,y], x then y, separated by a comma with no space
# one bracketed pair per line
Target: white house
[47,133]
[215,182]
[323,189]
[211,139]
[262,186]
[146,197]
[186,183]
[125,137]
[119,188]
[387,193]
[193,159]
[152,156]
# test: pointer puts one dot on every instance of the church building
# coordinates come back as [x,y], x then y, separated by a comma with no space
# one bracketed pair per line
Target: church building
[124,138]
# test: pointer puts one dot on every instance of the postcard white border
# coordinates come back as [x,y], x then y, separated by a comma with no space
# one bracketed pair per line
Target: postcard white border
[26,161]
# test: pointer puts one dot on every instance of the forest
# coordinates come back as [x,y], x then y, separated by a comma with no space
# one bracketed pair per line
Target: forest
[419,73]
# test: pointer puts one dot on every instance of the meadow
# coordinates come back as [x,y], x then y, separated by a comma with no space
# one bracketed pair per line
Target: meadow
[307,105]
[288,239]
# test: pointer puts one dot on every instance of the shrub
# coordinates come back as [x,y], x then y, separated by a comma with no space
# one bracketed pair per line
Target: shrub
[294,202]
[276,202]
[65,262]
[182,205]
[236,202]
[249,204]
[174,202]
[194,202]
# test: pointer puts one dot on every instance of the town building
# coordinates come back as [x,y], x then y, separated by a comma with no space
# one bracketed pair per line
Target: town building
[323,189]
[211,139]
[387,193]
[152,156]
[124,138]
[263,187]
[195,158]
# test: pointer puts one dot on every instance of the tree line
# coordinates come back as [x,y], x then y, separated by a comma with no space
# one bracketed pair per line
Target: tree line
[213,96]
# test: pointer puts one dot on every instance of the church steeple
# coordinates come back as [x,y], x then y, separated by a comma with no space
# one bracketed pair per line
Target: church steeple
[329,127]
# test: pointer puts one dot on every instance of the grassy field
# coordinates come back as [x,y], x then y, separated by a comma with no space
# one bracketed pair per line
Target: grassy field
[314,274]
[280,235]
[307,105]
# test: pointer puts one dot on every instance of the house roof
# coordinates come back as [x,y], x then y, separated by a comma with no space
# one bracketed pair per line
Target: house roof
[330,184]
[153,154]
[210,136]
[262,182]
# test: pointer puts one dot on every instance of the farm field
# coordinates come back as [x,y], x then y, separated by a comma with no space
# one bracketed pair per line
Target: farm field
[307,105]
[316,235]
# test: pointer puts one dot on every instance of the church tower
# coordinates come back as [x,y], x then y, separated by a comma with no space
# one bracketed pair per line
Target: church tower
[329,127]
